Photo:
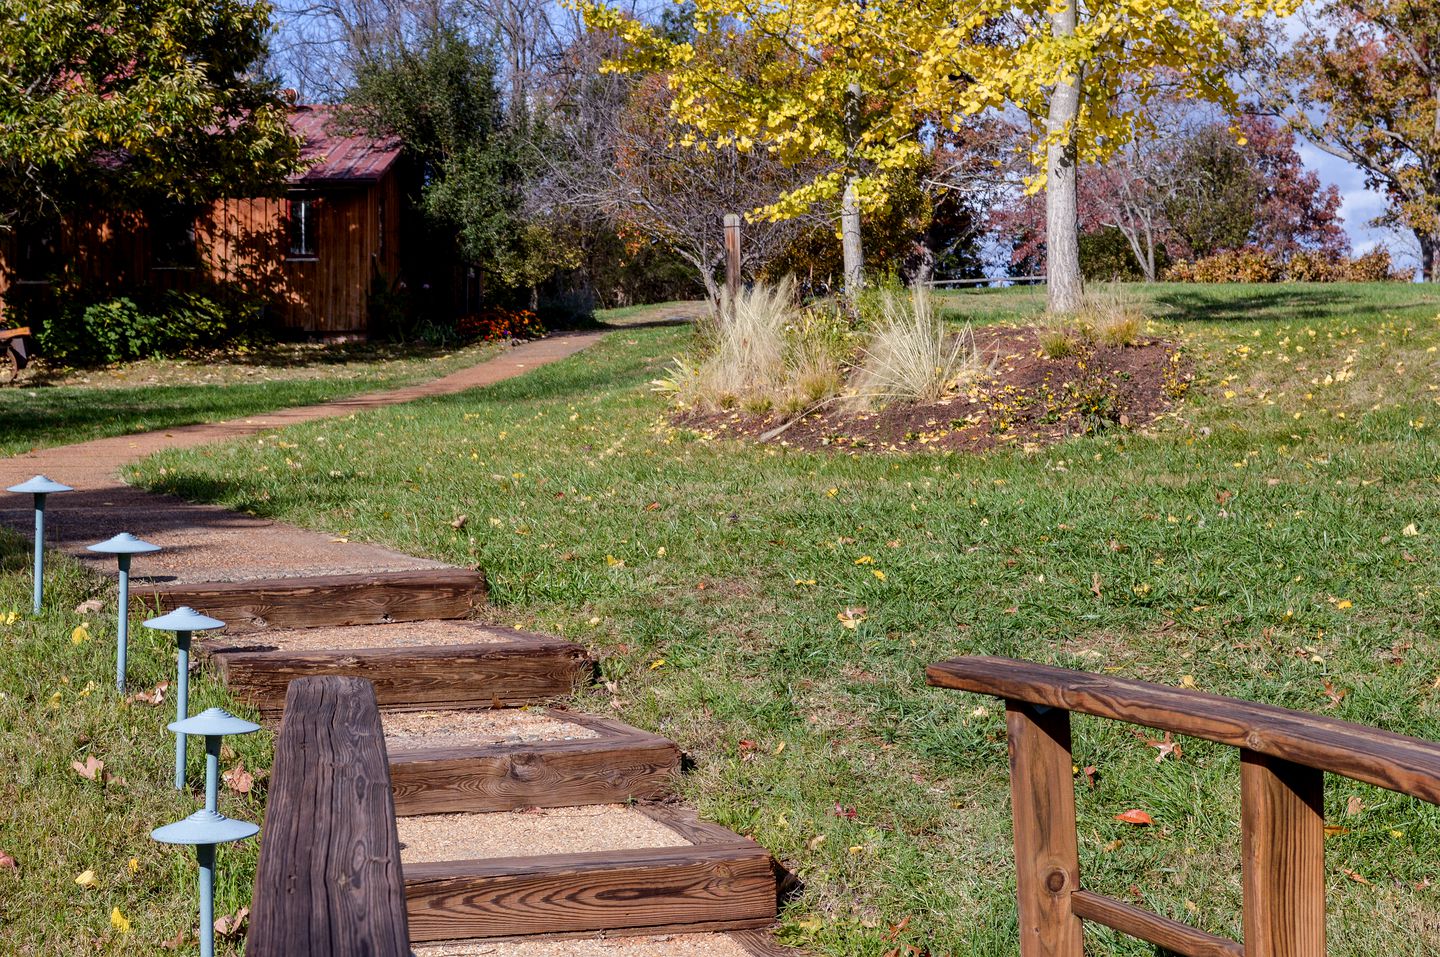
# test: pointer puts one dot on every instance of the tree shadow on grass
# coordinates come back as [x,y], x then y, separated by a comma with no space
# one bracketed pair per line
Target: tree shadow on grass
[1279,302]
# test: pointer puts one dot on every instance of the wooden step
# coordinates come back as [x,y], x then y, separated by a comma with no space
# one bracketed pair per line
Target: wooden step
[424,666]
[366,599]
[700,877]
[444,762]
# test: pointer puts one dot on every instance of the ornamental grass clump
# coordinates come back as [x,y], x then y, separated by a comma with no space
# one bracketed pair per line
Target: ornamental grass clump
[760,351]
[913,356]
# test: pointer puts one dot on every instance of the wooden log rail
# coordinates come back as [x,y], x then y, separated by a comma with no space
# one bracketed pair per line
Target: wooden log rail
[329,879]
[1284,755]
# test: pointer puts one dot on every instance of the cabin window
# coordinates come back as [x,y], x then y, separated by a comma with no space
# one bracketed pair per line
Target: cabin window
[301,223]
[174,243]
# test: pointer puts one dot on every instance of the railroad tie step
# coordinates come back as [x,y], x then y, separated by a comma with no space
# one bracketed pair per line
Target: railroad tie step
[505,759]
[639,869]
[318,601]
[414,666]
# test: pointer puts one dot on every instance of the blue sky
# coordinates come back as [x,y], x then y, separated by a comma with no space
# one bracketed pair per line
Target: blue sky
[1360,204]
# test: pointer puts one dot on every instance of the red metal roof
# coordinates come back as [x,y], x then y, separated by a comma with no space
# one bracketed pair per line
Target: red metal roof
[332,158]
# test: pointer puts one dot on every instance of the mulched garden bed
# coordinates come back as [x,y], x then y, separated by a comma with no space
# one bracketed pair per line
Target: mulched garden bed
[1027,400]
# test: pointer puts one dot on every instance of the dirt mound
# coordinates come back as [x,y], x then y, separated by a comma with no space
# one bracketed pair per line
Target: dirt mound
[1027,399]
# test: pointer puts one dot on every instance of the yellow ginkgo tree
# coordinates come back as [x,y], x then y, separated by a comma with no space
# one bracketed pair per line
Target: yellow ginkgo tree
[866,85]
[831,83]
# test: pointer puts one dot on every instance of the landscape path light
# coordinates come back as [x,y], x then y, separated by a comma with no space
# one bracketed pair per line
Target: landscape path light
[213,723]
[124,547]
[183,621]
[40,486]
[205,829]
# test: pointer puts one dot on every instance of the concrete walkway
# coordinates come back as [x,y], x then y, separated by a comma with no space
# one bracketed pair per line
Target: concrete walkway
[206,543]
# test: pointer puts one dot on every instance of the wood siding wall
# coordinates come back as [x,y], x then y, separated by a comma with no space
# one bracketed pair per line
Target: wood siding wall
[244,241]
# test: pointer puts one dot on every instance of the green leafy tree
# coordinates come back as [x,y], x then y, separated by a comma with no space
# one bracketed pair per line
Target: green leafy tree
[1215,204]
[123,103]
[439,97]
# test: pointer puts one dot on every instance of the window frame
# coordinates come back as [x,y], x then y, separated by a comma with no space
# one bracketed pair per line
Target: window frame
[308,250]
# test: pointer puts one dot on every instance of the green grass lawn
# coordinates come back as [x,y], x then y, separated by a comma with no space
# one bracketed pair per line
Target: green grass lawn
[64,406]
[1277,533]
[58,706]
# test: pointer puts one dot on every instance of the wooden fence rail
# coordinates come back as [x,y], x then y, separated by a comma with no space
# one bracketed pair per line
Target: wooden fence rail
[329,879]
[1283,759]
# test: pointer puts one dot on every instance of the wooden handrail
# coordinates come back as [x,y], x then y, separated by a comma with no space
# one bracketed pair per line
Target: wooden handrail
[1391,761]
[1283,757]
[329,879]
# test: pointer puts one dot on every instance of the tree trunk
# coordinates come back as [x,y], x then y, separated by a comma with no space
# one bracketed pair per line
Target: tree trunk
[1062,226]
[851,246]
[1429,248]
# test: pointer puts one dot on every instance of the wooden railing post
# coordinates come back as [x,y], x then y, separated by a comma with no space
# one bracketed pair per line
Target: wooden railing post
[732,256]
[1282,809]
[1042,792]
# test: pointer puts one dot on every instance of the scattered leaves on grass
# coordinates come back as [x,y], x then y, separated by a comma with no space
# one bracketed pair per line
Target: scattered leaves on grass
[1410,531]
[119,921]
[91,607]
[1354,806]
[1357,878]
[86,878]
[176,942]
[458,524]
[1135,816]
[1167,746]
[841,811]
[238,779]
[152,697]
[1336,695]
[851,617]
[92,770]
[1095,584]
[80,634]
[230,925]
[8,863]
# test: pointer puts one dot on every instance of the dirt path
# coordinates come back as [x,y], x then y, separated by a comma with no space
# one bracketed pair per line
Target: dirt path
[207,543]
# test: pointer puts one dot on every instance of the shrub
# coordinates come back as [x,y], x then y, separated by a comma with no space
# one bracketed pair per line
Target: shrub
[496,324]
[1236,265]
[135,326]
[1315,266]
[912,355]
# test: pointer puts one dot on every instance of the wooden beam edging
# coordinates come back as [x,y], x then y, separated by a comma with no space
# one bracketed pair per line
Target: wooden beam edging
[1284,755]
[329,879]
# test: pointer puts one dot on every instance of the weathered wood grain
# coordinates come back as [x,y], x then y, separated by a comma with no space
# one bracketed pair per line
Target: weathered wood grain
[617,767]
[1172,936]
[365,599]
[1387,760]
[1042,795]
[1282,814]
[716,886]
[329,879]
[417,678]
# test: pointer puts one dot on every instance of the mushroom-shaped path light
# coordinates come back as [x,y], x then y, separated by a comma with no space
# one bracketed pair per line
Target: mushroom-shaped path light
[124,547]
[183,621]
[213,723]
[39,486]
[205,829]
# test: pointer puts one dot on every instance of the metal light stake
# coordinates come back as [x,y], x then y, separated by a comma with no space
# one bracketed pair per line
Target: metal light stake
[205,829]
[39,486]
[213,723]
[182,621]
[123,546]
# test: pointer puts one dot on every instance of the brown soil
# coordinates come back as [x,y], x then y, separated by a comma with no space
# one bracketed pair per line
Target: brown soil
[443,729]
[566,830]
[1026,400]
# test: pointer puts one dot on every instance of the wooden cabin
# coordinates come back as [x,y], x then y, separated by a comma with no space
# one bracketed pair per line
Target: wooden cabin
[313,257]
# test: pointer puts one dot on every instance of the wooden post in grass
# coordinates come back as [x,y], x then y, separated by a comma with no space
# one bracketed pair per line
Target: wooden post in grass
[1047,858]
[1282,811]
[732,258]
